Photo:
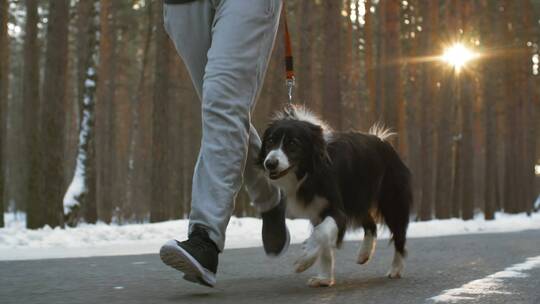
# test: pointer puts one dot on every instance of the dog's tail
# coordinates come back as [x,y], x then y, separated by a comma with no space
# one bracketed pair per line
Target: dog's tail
[381,131]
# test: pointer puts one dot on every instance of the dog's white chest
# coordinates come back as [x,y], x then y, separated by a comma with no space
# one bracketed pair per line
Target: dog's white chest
[299,209]
[311,210]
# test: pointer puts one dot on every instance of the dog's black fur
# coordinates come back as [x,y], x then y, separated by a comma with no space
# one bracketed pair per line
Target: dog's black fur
[361,175]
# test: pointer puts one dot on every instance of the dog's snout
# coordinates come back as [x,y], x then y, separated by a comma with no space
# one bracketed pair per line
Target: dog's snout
[271,164]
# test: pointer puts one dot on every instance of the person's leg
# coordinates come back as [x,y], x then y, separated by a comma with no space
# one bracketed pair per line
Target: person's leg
[189,26]
[243,33]
[226,46]
[194,54]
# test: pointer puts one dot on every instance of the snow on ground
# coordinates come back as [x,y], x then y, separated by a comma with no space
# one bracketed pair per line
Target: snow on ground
[492,284]
[19,243]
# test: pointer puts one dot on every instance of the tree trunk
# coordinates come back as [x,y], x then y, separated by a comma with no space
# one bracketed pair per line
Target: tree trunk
[331,88]
[467,150]
[181,99]
[379,60]
[81,193]
[512,185]
[85,27]
[351,105]
[444,180]
[369,62]
[467,147]
[304,89]
[105,110]
[4,83]
[526,29]
[52,124]
[428,95]
[490,97]
[135,118]
[444,157]
[391,67]
[457,142]
[159,207]
[127,29]
[31,117]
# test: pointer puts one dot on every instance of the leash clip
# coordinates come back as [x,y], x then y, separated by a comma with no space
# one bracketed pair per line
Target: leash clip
[290,82]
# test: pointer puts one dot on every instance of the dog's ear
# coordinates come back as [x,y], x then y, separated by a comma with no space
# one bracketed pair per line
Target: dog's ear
[320,156]
[262,152]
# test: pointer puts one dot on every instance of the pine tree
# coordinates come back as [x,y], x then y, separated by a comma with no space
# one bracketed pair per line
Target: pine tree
[512,187]
[467,148]
[430,11]
[392,102]
[306,48]
[105,109]
[331,79]
[134,133]
[490,96]
[443,179]
[369,62]
[525,23]
[4,83]
[160,174]
[182,97]
[52,123]
[31,117]
[82,201]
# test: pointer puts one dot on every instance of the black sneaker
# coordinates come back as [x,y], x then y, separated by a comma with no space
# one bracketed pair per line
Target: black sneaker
[275,234]
[197,257]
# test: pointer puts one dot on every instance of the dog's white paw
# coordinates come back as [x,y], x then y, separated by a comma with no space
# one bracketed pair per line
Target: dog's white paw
[320,282]
[305,261]
[395,272]
[367,249]
[397,267]
[310,252]
[364,256]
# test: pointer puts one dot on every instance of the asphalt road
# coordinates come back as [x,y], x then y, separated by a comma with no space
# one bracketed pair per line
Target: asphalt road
[247,276]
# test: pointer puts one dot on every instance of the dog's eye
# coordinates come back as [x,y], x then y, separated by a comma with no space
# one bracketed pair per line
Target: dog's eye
[292,143]
[269,141]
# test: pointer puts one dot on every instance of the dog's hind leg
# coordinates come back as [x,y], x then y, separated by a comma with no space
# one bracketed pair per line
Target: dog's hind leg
[399,253]
[398,226]
[325,278]
[397,221]
[370,240]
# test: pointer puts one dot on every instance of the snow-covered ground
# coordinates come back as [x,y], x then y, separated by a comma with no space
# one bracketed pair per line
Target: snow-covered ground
[19,243]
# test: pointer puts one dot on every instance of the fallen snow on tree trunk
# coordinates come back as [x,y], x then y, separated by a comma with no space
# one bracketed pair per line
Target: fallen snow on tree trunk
[19,243]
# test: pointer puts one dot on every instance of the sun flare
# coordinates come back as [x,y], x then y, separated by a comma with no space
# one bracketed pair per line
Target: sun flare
[457,55]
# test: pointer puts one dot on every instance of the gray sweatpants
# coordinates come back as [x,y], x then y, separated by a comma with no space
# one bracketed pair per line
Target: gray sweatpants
[226,46]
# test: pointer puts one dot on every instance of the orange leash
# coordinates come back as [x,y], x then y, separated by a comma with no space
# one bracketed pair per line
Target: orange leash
[289,62]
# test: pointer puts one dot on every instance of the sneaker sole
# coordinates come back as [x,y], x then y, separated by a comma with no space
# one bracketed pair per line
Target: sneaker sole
[176,257]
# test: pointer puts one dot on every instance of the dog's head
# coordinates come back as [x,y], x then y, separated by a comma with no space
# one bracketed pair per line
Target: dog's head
[292,145]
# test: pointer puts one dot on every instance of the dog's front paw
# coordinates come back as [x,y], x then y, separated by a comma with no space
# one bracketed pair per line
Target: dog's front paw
[320,282]
[397,267]
[366,251]
[363,257]
[310,252]
[305,261]
[394,273]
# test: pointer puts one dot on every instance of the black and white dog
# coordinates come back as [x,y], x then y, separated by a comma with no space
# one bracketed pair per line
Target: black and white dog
[337,180]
